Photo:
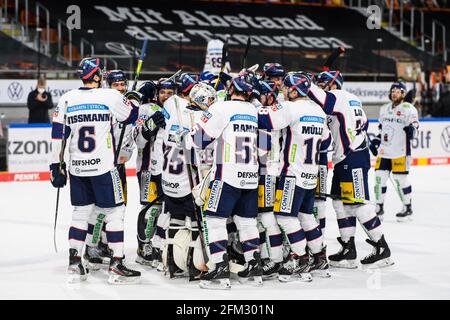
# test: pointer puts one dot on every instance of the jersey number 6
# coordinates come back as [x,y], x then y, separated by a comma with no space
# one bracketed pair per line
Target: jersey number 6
[86,141]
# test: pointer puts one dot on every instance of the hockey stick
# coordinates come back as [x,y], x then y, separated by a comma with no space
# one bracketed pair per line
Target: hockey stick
[244,57]
[338,197]
[61,160]
[191,184]
[332,58]
[136,78]
[223,62]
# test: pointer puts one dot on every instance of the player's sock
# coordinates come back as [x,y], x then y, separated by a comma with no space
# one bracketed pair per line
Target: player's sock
[321,209]
[313,234]
[114,229]
[404,189]
[381,177]
[273,236]
[294,233]
[79,226]
[248,234]
[369,220]
[346,221]
[218,238]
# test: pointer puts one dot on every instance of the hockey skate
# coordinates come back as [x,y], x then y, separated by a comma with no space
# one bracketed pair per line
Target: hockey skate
[172,268]
[95,258]
[121,274]
[252,273]
[346,257]
[295,269]
[319,266]
[380,257]
[157,259]
[217,278]
[76,270]
[144,254]
[380,211]
[405,215]
[270,269]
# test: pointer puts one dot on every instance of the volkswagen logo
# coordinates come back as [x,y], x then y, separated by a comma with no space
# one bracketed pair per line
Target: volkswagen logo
[15,91]
[445,139]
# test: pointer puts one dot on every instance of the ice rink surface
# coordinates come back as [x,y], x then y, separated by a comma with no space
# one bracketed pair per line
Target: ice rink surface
[30,269]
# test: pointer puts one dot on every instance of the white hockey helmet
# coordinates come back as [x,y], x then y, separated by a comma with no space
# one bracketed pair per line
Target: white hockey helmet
[203,95]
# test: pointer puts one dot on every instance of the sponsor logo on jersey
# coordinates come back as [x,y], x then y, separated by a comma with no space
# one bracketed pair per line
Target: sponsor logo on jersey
[269,191]
[214,196]
[205,116]
[244,117]
[87,162]
[245,128]
[86,107]
[358,183]
[354,103]
[94,117]
[248,175]
[312,119]
[310,176]
[145,185]
[323,172]
[288,195]
[168,184]
[312,130]
[117,186]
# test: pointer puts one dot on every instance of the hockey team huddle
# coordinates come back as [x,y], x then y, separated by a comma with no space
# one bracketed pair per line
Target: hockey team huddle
[232,173]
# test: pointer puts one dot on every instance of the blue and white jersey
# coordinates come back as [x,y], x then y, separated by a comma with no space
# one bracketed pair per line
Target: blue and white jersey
[233,125]
[89,128]
[346,119]
[305,128]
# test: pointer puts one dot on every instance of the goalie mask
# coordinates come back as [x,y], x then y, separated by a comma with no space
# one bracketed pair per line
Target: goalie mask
[203,95]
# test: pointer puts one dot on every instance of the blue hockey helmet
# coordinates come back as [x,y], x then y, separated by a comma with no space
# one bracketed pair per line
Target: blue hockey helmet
[264,87]
[166,84]
[148,91]
[397,85]
[242,84]
[273,70]
[116,76]
[186,81]
[297,81]
[88,68]
[207,76]
[330,78]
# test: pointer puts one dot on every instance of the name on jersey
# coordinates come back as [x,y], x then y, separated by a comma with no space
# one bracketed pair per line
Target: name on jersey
[358,112]
[94,117]
[245,128]
[312,130]
[89,162]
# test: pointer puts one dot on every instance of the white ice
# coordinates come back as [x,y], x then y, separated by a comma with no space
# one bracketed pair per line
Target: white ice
[30,269]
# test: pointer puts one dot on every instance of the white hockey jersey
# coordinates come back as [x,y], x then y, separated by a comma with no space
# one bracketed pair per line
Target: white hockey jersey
[175,179]
[394,143]
[89,115]
[233,125]
[306,128]
[127,147]
[149,153]
[346,120]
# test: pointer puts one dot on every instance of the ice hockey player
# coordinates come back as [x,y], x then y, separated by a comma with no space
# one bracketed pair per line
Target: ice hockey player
[151,120]
[348,124]
[97,252]
[398,124]
[271,242]
[176,184]
[306,127]
[84,116]
[233,126]
[275,72]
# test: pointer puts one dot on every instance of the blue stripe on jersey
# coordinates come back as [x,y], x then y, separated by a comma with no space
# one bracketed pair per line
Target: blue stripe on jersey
[296,236]
[201,139]
[165,113]
[111,132]
[87,106]
[343,132]
[276,240]
[312,119]
[145,164]
[77,234]
[114,236]
[264,140]
[57,129]
[287,147]
[265,122]
[313,234]
[347,222]
[328,104]
[244,117]
[132,117]
[249,245]
[218,246]
[372,223]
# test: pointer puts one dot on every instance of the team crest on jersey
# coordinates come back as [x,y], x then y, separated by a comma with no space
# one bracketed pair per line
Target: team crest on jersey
[206,116]
[276,107]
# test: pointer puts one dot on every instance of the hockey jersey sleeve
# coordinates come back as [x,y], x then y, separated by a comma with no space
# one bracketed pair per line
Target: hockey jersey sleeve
[145,112]
[326,100]
[124,110]
[210,126]
[58,127]
[413,118]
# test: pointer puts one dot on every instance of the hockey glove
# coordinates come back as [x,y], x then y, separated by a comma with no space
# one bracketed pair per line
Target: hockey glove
[134,95]
[58,177]
[409,130]
[374,145]
[157,120]
[199,191]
